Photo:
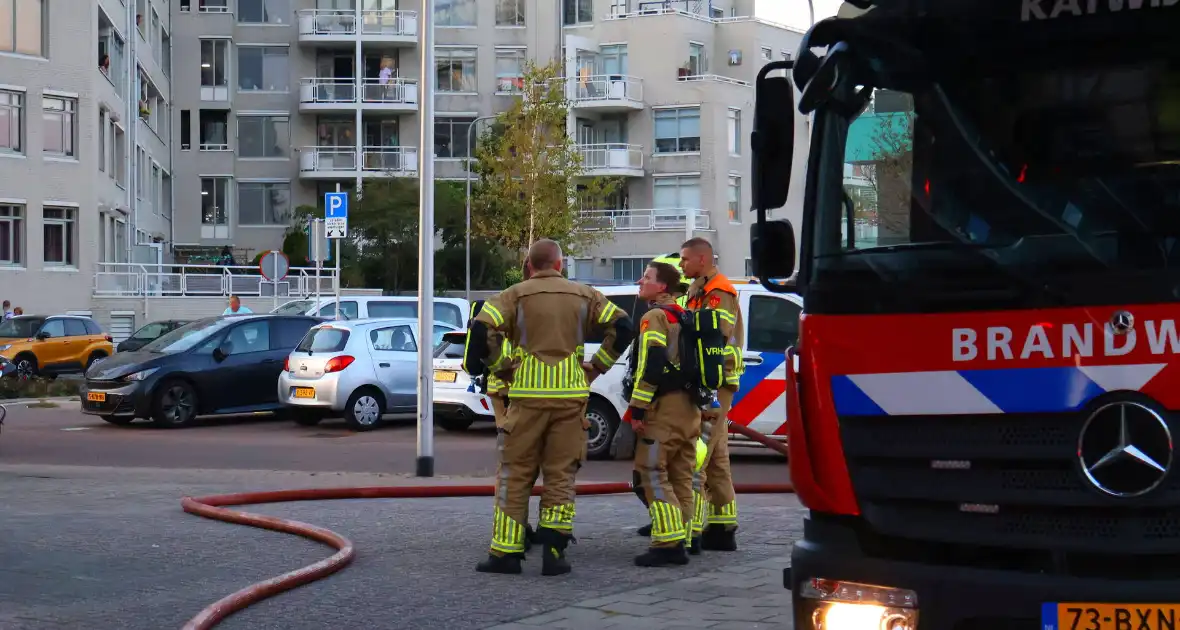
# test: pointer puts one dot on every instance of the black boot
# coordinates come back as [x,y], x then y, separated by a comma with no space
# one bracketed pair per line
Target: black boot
[529,536]
[695,548]
[508,565]
[644,531]
[662,557]
[717,538]
[553,542]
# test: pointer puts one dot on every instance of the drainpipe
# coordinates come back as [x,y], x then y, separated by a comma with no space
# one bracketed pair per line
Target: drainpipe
[358,76]
[132,119]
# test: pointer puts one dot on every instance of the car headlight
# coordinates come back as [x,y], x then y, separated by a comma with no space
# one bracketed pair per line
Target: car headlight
[140,375]
[5,347]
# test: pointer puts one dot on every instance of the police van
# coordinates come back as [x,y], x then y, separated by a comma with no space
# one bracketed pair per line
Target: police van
[771,322]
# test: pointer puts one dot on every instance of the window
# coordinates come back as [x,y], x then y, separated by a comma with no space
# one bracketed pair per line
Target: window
[75,328]
[214,201]
[455,69]
[53,328]
[262,69]
[92,327]
[119,156]
[450,137]
[676,193]
[735,199]
[613,59]
[510,69]
[773,325]
[12,235]
[264,203]
[619,7]
[155,192]
[735,131]
[393,309]
[577,12]
[264,11]
[510,12]
[249,337]
[698,63]
[786,55]
[263,137]
[454,12]
[214,69]
[165,195]
[347,309]
[140,172]
[60,125]
[214,130]
[767,54]
[630,269]
[22,26]
[60,235]
[213,6]
[11,121]
[393,339]
[678,130]
[185,5]
[166,53]
[186,130]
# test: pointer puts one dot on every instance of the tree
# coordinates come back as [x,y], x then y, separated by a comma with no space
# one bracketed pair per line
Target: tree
[531,177]
[889,174]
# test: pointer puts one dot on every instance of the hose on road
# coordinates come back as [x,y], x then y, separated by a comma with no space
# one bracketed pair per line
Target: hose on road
[215,508]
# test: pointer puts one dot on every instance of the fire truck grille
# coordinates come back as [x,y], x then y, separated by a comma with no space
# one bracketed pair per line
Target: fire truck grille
[1003,482]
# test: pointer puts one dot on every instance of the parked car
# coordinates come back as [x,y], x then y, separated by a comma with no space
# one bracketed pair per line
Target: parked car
[148,333]
[52,345]
[453,311]
[361,369]
[216,365]
[457,401]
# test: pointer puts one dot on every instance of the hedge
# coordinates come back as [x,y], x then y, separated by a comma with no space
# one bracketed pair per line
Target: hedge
[36,387]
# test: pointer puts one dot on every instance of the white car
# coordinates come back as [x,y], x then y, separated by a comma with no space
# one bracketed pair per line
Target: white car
[457,401]
[453,311]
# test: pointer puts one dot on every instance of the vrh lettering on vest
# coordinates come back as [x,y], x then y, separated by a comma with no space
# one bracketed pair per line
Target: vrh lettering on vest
[1000,343]
[1049,9]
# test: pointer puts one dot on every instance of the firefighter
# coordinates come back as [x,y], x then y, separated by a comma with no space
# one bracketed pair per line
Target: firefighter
[547,319]
[715,501]
[667,420]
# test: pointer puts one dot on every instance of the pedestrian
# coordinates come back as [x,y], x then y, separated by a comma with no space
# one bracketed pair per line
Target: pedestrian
[666,418]
[7,310]
[18,311]
[236,308]
[714,484]
[547,319]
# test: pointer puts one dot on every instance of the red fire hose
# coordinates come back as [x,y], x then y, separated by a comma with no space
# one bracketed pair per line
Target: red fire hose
[213,507]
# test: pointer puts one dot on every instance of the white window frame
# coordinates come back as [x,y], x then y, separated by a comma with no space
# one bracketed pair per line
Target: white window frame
[265,50]
[216,91]
[25,46]
[767,53]
[678,182]
[154,188]
[283,12]
[510,79]
[447,53]
[445,13]
[619,7]
[218,228]
[229,133]
[453,122]
[734,205]
[266,185]
[14,215]
[65,111]
[213,6]
[15,107]
[734,130]
[68,224]
[579,5]
[516,8]
[263,142]
[679,114]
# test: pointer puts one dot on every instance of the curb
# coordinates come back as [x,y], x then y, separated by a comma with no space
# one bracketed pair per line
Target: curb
[32,401]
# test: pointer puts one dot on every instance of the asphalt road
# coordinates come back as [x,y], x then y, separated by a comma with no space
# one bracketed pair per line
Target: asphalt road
[65,436]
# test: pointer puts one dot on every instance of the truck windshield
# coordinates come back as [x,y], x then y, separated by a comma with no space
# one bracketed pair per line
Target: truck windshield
[1038,187]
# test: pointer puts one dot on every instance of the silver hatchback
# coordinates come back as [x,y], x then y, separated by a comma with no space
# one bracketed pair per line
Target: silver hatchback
[363,369]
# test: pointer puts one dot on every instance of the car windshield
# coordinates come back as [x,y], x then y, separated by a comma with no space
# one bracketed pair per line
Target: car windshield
[188,336]
[20,327]
[323,339]
[296,307]
[151,331]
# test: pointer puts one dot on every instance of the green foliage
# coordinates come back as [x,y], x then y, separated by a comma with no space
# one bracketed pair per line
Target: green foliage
[512,276]
[531,179]
[37,387]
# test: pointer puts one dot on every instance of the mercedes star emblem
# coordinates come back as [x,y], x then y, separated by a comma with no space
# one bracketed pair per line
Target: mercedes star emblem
[1122,322]
[1125,449]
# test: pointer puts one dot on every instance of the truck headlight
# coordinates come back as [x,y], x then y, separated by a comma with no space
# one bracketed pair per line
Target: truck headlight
[844,605]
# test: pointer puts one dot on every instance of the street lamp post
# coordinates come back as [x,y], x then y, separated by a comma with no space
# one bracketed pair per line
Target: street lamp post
[470,145]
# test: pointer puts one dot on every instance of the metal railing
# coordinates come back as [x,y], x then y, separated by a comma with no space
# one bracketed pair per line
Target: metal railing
[716,78]
[645,220]
[606,87]
[132,279]
[393,160]
[611,155]
[389,22]
[327,159]
[327,90]
[326,22]
[396,92]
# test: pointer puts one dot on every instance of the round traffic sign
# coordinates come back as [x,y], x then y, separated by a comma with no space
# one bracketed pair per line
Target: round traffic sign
[274,266]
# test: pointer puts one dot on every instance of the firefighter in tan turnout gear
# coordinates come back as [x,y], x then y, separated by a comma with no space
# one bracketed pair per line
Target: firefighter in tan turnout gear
[714,495]
[547,319]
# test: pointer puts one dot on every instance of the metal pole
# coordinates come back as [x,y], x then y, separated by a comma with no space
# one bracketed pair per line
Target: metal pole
[274,300]
[319,263]
[470,145]
[337,267]
[425,464]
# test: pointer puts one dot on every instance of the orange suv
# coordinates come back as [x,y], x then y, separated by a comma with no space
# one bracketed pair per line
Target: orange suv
[57,344]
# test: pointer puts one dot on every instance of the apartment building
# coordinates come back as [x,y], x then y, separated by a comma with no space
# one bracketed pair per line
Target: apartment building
[279,101]
[84,157]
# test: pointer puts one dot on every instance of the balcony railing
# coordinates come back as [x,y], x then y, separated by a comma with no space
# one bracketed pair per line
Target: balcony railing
[313,159]
[716,78]
[396,92]
[374,159]
[606,88]
[645,220]
[132,279]
[326,22]
[326,90]
[611,156]
[392,160]
[390,23]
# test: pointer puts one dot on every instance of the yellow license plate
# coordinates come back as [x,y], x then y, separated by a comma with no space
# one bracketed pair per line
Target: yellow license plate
[96,396]
[1083,616]
[305,392]
[445,376]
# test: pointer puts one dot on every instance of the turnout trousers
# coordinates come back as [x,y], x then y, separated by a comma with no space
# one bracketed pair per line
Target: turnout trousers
[664,458]
[714,501]
[538,436]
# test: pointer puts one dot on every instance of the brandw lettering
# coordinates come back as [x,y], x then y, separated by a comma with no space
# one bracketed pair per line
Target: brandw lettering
[1000,343]
[1050,9]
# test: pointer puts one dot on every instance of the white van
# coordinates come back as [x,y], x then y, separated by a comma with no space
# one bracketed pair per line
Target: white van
[453,311]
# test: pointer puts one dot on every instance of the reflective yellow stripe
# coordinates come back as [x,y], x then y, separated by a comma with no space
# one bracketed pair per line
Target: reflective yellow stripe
[559,517]
[494,313]
[641,395]
[667,522]
[536,379]
[507,534]
[649,338]
[700,513]
[608,312]
[723,514]
[604,357]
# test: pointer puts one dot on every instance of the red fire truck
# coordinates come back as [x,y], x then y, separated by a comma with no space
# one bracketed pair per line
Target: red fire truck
[982,406]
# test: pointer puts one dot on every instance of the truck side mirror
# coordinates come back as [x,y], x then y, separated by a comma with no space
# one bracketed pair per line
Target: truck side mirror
[849,222]
[772,243]
[772,251]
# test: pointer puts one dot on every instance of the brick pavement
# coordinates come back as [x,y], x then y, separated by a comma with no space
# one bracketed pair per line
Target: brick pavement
[110,549]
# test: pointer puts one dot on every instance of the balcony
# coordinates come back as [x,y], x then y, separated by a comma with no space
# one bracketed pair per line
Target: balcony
[340,95]
[605,93]
[611,160]
[342,163]
[685,220]
[331,26]
[141,280]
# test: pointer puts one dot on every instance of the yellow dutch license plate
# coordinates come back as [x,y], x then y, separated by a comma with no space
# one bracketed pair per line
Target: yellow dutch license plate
[304,392]
[96,396]
[445,376]
[1089,616]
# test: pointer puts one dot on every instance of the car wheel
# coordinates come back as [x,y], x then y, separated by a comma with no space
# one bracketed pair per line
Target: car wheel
[174,404]
[603,424]
[26,366]
[121,421]
[455,424]
[94,358]
[364,409]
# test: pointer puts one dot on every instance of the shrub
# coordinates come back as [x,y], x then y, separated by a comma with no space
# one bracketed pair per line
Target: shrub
[36,387]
